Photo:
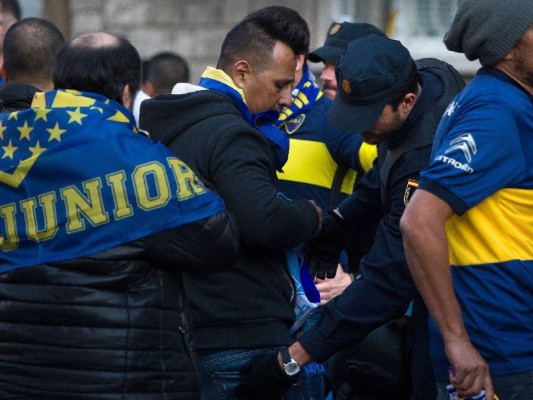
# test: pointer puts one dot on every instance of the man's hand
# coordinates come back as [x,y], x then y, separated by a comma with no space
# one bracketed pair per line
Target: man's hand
[264,379]
[470,372]
[330,288]
[322,254]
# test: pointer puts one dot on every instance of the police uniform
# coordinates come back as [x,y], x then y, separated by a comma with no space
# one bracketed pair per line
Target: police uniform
[386,288]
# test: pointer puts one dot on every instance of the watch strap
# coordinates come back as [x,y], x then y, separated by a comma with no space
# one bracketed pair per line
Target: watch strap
[285,355]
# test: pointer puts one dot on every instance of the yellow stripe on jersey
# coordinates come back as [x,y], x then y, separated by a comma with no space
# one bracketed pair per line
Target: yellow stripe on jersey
[498,229]
[310,162]
[348,182]
[367,154]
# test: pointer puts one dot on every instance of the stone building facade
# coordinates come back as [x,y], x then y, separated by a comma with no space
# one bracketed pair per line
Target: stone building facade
[193,28]
[196,28]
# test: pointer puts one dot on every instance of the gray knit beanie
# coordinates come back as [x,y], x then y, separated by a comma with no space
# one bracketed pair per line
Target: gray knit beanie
[488,29]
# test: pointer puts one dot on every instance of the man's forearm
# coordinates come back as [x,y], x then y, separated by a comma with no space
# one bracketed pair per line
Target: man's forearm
[426,251]
[299,354]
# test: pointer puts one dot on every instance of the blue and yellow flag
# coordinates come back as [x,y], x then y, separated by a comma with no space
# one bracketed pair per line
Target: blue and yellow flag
[76,178]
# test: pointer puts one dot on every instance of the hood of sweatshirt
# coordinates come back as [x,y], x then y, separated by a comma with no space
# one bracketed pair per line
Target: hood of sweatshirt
[166,116]
[16,96]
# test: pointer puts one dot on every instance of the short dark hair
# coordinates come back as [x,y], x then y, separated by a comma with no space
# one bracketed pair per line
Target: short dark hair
[11,8]
[103,69]
[253,39]
[144,72]
[165,70]
[300,35]
[410,86]
[30,48]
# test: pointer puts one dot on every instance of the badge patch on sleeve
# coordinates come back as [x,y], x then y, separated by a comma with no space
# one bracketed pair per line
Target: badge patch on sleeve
[409,190]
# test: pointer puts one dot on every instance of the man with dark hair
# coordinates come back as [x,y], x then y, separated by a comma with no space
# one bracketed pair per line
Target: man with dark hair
[164,71]
[468,231]
[30,48]
[160,73]
[141,95]
[338,38]
[115,72]
[324,161]
[223,129]
[398,109]
[97,225]
[9,14]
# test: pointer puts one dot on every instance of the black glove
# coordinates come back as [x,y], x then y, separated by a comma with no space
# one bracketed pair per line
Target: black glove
[263,379]
[322,254]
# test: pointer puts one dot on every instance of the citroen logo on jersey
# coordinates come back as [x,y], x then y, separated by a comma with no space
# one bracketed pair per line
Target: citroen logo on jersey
[466,144]
[451,108]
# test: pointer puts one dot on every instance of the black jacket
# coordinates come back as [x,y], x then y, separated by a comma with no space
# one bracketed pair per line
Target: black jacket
[16,96]
[251,304]
[108,323]
[111,325]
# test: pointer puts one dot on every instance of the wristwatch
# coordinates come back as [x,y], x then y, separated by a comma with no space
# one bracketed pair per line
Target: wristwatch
[290,366]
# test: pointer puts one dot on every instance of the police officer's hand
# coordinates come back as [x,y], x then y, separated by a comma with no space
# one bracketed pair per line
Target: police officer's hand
[330,288]
[263,379]
[322,254]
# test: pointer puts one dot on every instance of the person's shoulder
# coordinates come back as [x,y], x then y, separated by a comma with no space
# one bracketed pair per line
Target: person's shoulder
[323,103]
[494,86]
[318,117]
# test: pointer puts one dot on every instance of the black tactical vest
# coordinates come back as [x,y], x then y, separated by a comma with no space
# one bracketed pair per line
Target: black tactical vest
[421,136]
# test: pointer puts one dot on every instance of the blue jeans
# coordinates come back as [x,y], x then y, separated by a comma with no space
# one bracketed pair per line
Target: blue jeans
[507,387]
[220,376]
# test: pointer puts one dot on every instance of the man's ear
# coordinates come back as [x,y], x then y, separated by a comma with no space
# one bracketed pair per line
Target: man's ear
[299,72]
[3,72]
[148,88]
[408,102]
[127,97]
[300,62]
[240,71]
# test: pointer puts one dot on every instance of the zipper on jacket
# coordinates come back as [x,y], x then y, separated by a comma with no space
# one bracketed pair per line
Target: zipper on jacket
[289,279]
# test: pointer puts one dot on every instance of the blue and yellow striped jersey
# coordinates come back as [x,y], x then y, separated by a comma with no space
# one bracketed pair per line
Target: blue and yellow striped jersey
[482,166]
[316,151]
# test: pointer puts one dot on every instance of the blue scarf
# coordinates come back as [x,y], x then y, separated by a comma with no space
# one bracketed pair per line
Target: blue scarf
[216,79]
[303,98]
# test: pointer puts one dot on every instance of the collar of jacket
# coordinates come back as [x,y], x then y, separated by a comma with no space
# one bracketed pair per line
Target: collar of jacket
[421,107]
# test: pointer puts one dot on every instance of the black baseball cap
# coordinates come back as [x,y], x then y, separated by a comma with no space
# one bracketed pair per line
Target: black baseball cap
[339,36]
[365,84]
